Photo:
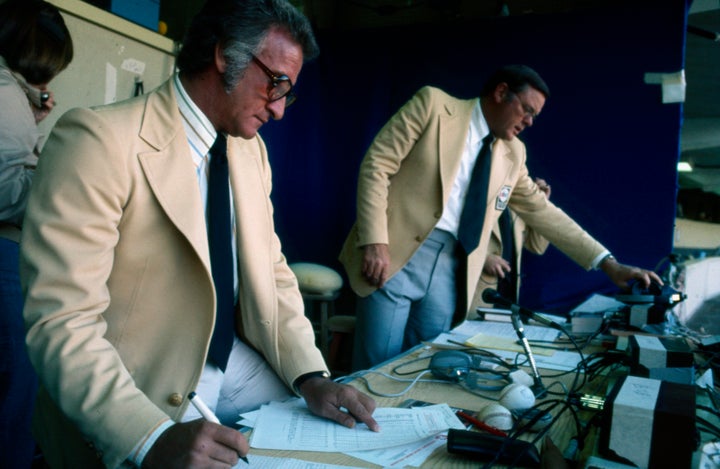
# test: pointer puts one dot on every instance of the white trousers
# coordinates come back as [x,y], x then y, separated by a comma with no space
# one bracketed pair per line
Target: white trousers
[247,383]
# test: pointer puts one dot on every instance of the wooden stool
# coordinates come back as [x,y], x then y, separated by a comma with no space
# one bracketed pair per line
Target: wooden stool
[342,331]
[320,286]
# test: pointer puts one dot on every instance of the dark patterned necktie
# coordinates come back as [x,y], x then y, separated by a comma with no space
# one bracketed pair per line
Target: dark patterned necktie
[507,286]
[221,257]
[473,213]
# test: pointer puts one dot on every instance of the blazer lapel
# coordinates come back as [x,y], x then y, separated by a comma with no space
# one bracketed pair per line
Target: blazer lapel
[170,171]
[452,133]
[253,223]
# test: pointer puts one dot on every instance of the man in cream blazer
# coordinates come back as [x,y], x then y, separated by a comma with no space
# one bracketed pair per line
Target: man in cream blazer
[411,189]
[120,299]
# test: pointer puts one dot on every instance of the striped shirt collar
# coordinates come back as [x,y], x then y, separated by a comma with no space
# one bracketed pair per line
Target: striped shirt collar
[200,131]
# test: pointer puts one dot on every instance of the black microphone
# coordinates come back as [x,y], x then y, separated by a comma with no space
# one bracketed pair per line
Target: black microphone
[493,297]
[537,388]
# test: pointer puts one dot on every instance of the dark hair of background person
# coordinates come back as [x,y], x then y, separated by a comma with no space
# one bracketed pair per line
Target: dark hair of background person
[34,39]
[517,77]
[239,26]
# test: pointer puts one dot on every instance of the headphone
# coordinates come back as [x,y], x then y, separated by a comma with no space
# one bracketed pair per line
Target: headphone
[465,368]
[451,365]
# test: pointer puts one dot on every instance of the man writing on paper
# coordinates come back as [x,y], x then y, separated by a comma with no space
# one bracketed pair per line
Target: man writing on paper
[135,297]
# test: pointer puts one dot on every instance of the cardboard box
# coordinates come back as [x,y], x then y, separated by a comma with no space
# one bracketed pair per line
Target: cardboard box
[649,423]
[666,359]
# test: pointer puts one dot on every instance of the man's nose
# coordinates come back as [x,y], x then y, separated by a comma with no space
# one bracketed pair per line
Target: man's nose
[277,109]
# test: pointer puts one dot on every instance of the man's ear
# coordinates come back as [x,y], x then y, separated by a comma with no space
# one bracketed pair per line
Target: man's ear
[220,59]
[501,93]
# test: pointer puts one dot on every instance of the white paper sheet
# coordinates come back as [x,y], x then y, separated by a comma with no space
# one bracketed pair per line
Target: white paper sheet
[292,428]
[269,462]
[411,455]
[470,328]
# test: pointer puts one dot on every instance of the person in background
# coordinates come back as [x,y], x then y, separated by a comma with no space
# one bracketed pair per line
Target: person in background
[416,251]
[509,236]
[125,313]
[35,46]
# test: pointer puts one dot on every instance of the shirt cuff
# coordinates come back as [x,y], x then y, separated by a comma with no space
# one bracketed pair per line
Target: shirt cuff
[141,449]
[599,259]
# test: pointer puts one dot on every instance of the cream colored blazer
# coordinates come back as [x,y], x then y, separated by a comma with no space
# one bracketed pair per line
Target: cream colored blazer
[119,295]
[405,180]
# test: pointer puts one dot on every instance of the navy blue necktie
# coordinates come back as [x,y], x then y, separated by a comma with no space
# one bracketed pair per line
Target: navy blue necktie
[473,213]
[221,257]
[507,286]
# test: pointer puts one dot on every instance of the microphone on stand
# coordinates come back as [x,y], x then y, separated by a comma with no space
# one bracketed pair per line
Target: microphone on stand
[492,296]
[537,388]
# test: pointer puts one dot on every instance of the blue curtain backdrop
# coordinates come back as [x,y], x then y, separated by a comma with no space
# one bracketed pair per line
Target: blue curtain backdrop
[605,141]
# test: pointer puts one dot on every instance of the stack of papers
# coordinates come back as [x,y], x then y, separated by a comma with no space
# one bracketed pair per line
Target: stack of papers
[406,437]
[500,330]
[283,427]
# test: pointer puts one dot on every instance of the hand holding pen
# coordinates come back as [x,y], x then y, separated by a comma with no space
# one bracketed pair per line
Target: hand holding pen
[208,414]
[198,443]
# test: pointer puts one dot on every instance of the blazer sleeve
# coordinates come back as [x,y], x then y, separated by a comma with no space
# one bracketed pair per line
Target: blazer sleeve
[67,255]
[382,161]
[552,223]
[269,289]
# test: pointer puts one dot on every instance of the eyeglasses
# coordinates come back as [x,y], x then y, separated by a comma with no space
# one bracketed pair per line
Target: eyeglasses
[529,111]
[280,85]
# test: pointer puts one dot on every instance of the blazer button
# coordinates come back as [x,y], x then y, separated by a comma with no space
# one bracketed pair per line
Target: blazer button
[437,215]
[175,399]
[418,239]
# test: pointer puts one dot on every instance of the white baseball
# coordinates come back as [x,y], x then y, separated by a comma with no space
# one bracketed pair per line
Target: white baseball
[496,416]
[521,377]
[517,396]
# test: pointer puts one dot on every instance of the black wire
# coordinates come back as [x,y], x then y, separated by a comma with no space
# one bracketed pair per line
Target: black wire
[397,371]
[708,427]
[550,404]
[708,410]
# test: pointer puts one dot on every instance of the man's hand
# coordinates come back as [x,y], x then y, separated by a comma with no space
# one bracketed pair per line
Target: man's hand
[496,266]
[621,274]
[376,263]
[543,186]
[325,398]
[198,443]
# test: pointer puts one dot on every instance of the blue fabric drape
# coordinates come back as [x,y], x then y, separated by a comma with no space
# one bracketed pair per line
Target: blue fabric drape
[604,140]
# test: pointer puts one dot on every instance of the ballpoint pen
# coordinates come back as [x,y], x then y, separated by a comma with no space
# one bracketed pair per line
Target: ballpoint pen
[207,414]
[480,424]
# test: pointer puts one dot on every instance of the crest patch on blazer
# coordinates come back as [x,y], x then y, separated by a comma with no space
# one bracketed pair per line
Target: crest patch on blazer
[502,198]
